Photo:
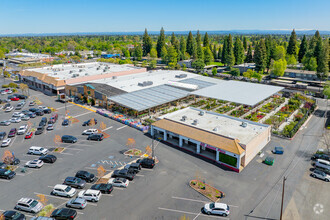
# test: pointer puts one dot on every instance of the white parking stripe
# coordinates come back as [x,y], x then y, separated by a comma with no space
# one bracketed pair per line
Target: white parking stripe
[108,128]
[57,197]
[64,107]
[190,213]
[193,200]
[121,127]
[76,116]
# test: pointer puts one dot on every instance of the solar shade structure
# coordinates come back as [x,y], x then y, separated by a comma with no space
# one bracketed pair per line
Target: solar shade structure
[148,98]
[239,92]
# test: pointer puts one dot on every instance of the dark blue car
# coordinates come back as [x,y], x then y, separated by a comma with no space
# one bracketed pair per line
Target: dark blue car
[278,150]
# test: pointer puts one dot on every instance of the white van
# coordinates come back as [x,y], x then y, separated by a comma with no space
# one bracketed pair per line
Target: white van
[37,150]
[63,190]
[322,164]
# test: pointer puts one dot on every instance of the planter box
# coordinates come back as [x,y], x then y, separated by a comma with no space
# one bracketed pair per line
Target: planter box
[206,190]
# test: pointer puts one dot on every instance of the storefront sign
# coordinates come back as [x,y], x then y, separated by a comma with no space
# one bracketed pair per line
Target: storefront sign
[212,148]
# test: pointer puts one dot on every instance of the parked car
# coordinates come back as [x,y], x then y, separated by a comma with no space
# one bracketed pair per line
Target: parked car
[88,123]
[87,176]
[34,164]
[216,208]
[32,103]
[32,115]
[48,158]
[322,164]
[5,123]
[278,150]
[103,188]
[33,109]
[95,137]
[25,118]
[12,132]
[42,218]
[2,135]
[63,190]
[69,139]
[19,106]
[50,127]
[18,114]
[7,174]
[12,215]
[321,175]
[47,111]
[14,99]
[3,165]
[64,214]
[77,203]
[321,156]
[11,160]
[9,109]
[90,131]
[37,150]
[133,167]
[146,162]
[269,161]
[119,182]
[29,135]
[75,182]
[15,120]
[123,173]
[65,122]
[90,195]
[39,130]
[6,142]
[39,112]
[53,118]
[22,129]
[20,96]
[29,205]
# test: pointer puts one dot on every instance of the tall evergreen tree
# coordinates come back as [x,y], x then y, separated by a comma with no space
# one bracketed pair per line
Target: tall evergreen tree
[292,47]
[206,42]
[245,43]
[318,48]
[229,56]
[208,56]
[260,56]
[198,38]
[238,51]
[224,50]
[173,39]
[147,43]
[183,47]
[303,49]
[214,51]
[160,42]
[200,53]
[269,47]
[219,52]
[190,44]
[249,57]
[322,62]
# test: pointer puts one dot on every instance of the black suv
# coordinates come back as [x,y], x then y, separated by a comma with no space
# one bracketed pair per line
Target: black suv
[103,187]
[48,158]
[39,130]
[95,137]
[74,182]
[146,162]
[64,213]
[7,174]
[123,173]
[20,96]
[69,139]
[2,135]
[133,167]
[47,111]
[321,156]
[87,176]
[87,123]
[39,112]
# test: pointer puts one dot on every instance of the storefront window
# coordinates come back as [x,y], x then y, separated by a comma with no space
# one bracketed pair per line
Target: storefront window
[232,161]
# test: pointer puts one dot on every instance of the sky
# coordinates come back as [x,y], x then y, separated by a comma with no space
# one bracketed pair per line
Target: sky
[70,16]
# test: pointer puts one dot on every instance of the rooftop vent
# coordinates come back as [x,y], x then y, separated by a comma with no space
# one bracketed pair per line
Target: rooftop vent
[216,129]
[71,71]
[244,124]
[201,113]
[86,74]
[183,75]
[55,73]
[104,70]
[114,77]
[195,122]
[145,83]
[80,70]
[184,118]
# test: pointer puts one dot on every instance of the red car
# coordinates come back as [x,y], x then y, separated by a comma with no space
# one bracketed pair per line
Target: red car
[28,135]
[14,99]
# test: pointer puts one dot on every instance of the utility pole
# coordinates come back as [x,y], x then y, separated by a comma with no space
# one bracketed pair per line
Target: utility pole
[153,147]
[284,179]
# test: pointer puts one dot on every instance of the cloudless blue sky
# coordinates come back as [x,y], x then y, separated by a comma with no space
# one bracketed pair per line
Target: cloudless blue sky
[67,16]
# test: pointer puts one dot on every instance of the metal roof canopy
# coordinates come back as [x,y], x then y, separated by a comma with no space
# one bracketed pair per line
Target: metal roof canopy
[239,92]
[200,83]
[147,98]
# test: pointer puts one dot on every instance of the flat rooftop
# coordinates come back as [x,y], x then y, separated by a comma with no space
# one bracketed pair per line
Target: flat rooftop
[130,83]
[69,71]
[225,125]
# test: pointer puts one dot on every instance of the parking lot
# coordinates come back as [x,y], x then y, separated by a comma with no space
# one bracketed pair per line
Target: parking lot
[159,193]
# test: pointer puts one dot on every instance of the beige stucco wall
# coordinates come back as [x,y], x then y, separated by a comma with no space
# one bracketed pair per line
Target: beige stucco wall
[256,145]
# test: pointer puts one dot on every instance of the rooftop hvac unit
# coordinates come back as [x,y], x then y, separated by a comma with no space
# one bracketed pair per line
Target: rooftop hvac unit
[104,70]
[216,129]
[86,74]
[183,75]
[71,71]
[114,77]
[195,122]
[184,118]
[145,83]
[201,113]
[80,70]
[244,124]
[55,73]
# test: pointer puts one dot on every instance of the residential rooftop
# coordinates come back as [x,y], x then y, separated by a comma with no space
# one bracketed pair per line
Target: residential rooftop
[218,124]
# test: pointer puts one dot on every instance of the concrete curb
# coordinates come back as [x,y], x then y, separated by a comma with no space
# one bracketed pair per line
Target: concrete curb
[205,195]
[83,107]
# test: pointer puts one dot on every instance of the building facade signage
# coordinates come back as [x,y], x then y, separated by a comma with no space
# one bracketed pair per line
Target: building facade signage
[212,148]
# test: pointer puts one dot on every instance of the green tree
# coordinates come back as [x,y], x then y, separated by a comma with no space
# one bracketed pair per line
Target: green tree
[152,64]
[214,71]
[147,43]
[279,53]
[160,42]
[249,57]
[229,52]
[190,44]
[208,56]
[322,64]
[153,53]
[198,38]
[292,47]
[214,52]
[173,39]
[198,65]
[172,57]
[248,73]
[206,41]
[303,49]
[291,60]
[310,63]
[200,54]
[235,72]
[224,50]
[2,54]
[256,75]
[238,51]
[138,52]
[182,48]
[163,54]
[219,52]
[245,43]
[278,67]
[260,56]
[126,53]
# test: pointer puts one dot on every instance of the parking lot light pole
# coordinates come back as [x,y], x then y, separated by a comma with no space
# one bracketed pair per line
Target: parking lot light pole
[284,179]
[153,146]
